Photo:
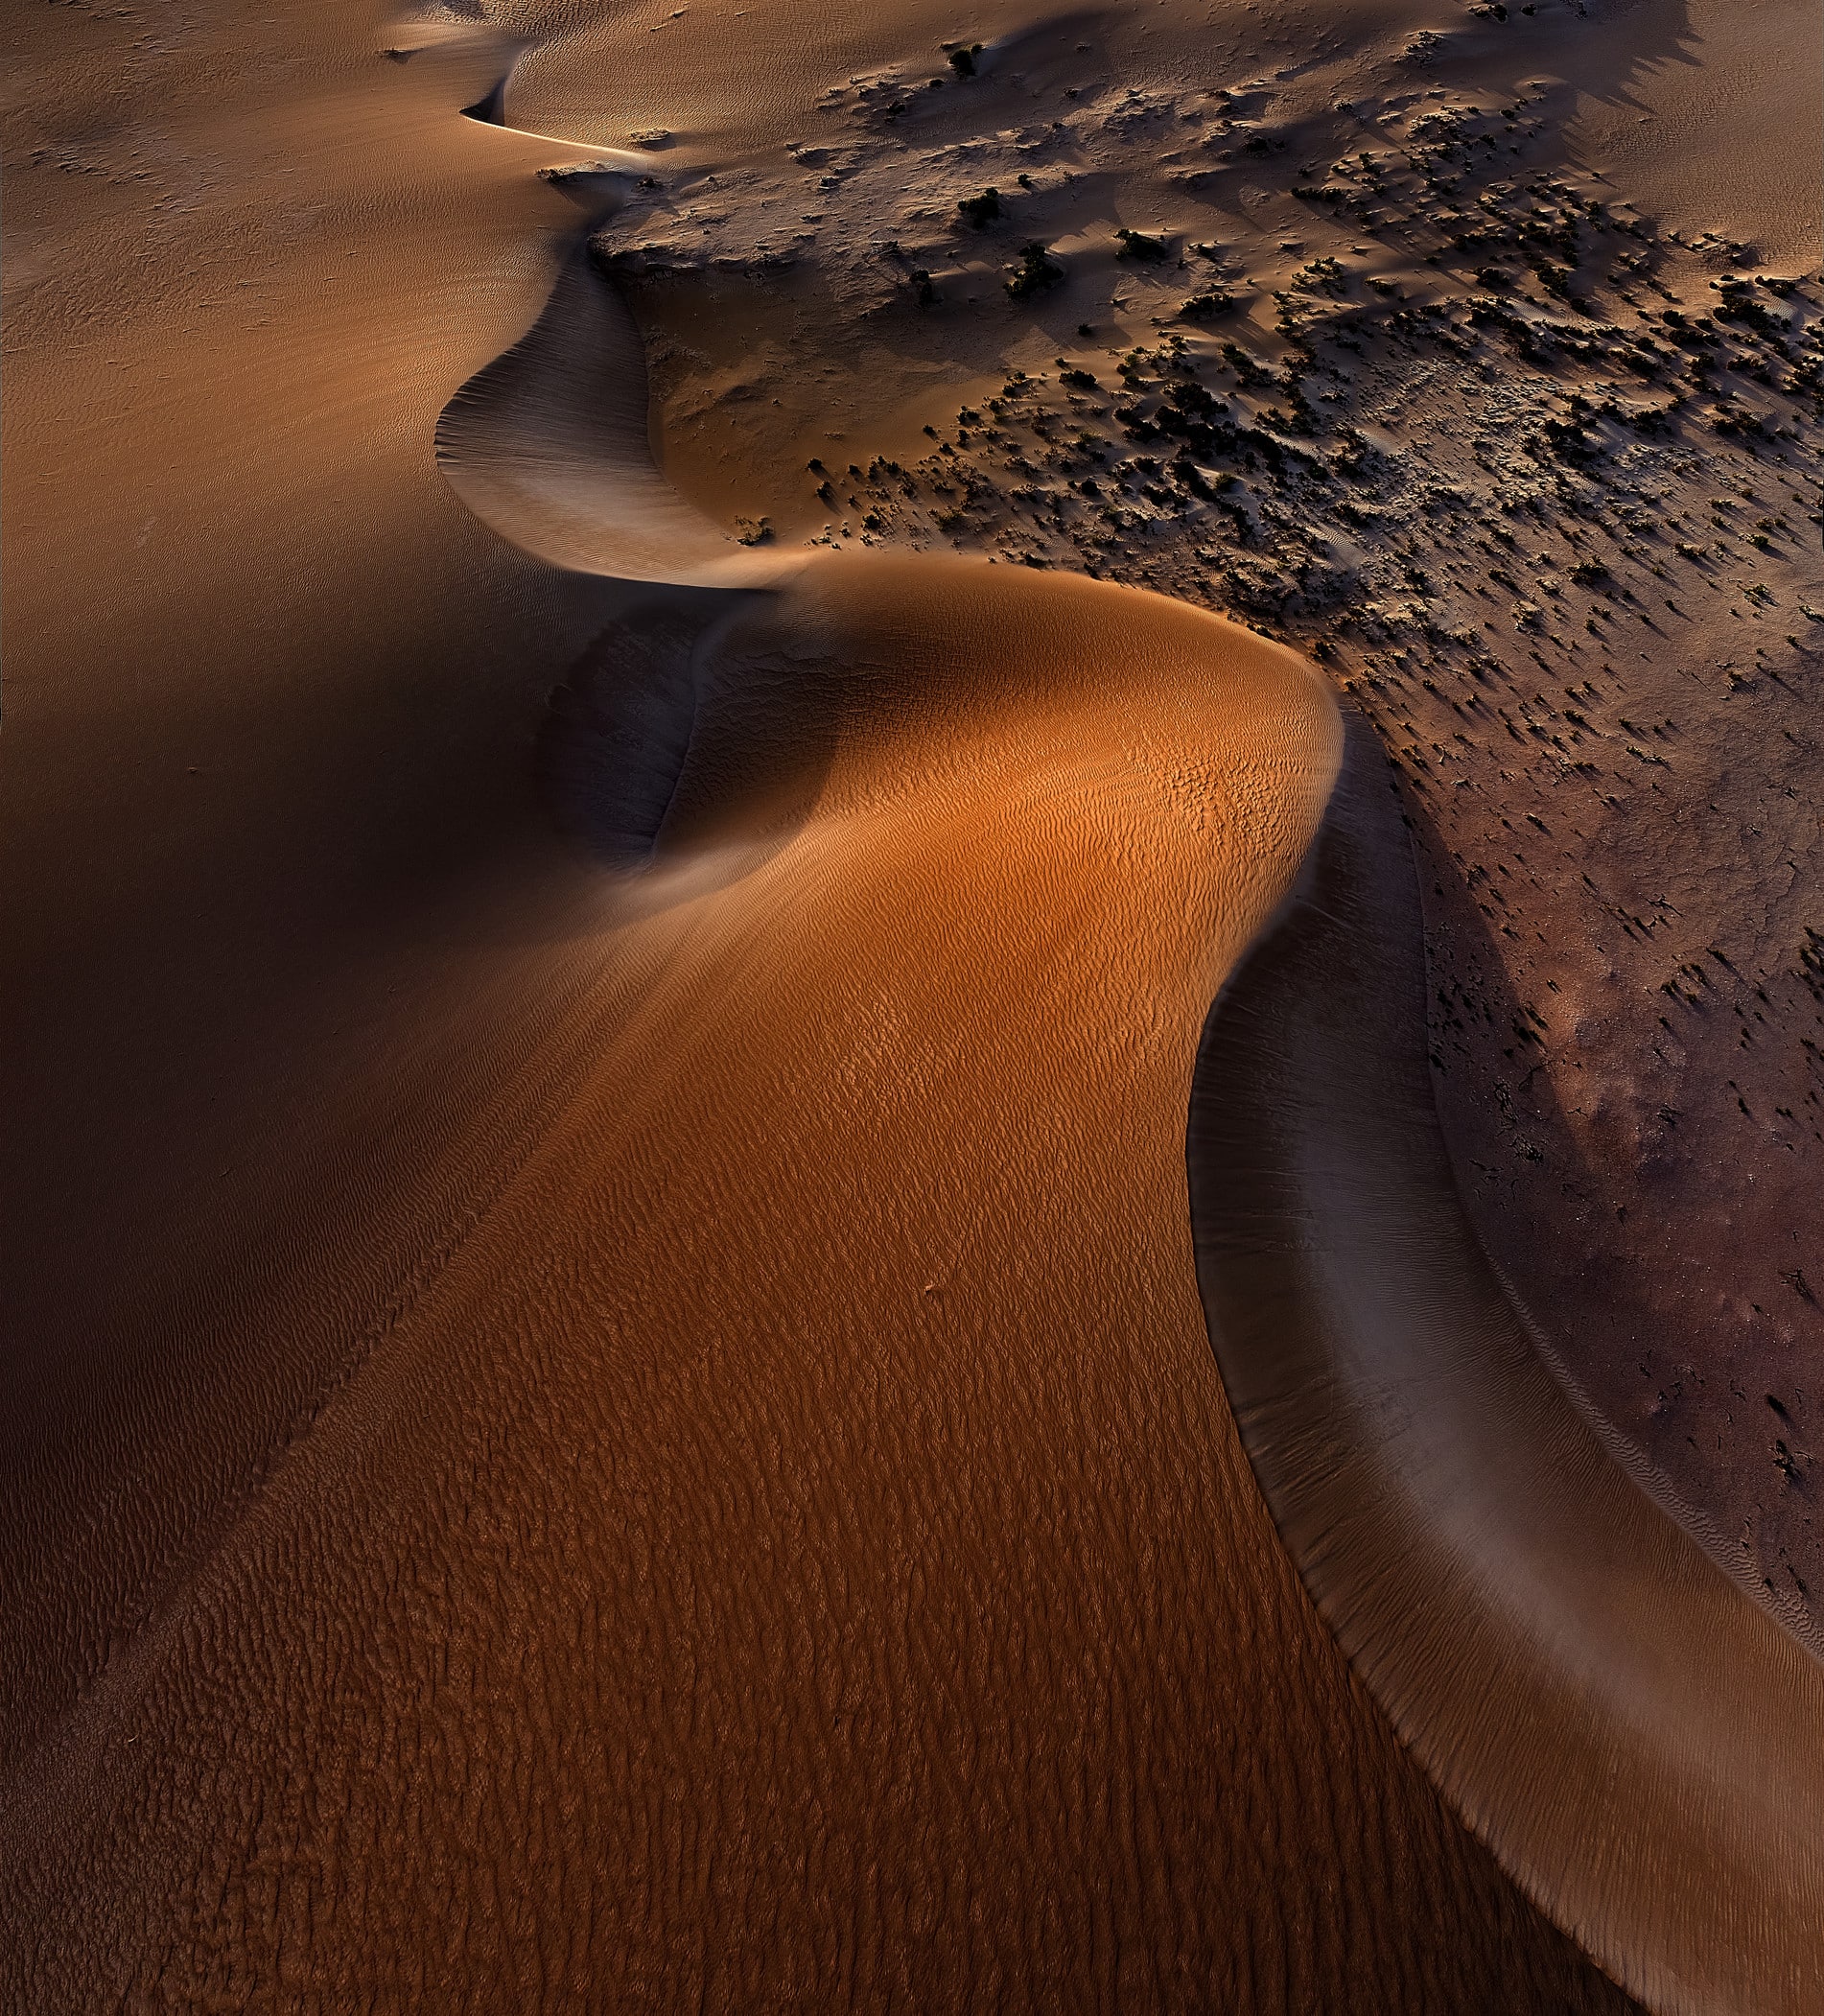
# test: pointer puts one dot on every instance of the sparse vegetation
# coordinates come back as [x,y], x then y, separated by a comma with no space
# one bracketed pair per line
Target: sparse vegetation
[1036,272]
[1142,245]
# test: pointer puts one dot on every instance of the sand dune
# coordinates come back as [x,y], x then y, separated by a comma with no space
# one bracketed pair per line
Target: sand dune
[548,446]
[606,1395]
[796,1538]
[1618,1716]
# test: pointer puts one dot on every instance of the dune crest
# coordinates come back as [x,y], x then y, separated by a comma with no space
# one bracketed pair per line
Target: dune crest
[548,446]
[794,1535]
[630,1425]
[1635,1737]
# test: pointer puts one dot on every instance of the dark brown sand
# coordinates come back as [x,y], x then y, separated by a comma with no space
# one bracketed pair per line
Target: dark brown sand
[628,1423]
[794,1546]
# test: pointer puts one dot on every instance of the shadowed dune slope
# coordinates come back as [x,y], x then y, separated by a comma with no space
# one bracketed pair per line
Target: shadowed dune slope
[547,445]
[1636,1738]
[795,1547]
[281,922]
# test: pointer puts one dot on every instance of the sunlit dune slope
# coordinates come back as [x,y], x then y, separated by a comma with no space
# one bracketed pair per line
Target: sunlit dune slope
[795,1545]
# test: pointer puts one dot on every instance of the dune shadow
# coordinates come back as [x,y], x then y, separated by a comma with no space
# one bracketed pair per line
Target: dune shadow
[614,742]
[1504,1584]
[549,446]
[632,757]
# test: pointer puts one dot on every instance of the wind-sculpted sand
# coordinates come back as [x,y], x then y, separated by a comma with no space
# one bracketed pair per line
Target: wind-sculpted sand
[1637,1739]
[795,1545]
[608,1402]
[547,445]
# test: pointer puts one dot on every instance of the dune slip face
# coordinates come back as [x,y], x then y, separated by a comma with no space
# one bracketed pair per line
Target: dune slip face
[607,1327]
[1616,1715]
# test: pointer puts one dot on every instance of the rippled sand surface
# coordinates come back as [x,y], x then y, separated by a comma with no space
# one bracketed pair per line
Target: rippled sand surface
[796,1536]
[607,1402]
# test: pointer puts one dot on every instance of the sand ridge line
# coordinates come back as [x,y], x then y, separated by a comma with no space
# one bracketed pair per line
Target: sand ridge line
[1401,371]
[643,1638]
[1615,1926]
[547,444]
[1613,1713]
[852,1311]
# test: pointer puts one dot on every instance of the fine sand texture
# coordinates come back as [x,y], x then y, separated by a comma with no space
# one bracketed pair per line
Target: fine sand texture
[612,879]
[796,1548]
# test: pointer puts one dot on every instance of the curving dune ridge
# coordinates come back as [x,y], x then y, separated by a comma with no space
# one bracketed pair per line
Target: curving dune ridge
[630,1425]
[1632,1732]
[706,1240]
[796,1535]
[547,445]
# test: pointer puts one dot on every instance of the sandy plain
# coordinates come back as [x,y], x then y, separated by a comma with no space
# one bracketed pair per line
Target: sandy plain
[607,1400]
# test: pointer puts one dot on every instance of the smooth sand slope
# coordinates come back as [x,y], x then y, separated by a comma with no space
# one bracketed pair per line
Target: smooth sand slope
[1634,1735]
